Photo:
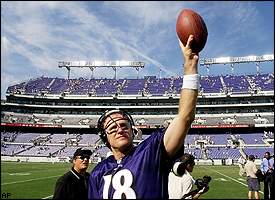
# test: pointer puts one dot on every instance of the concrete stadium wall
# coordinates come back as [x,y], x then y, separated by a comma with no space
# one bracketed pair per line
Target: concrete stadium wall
[67,159]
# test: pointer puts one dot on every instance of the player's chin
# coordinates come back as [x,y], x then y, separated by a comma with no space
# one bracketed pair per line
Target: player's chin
[121,141]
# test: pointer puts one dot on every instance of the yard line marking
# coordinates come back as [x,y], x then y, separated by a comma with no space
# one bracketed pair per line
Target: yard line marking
[34,179]
[48,197]
[20,174]
[231,178]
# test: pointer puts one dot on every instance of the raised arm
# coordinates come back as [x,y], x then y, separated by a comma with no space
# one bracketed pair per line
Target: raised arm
[176,132]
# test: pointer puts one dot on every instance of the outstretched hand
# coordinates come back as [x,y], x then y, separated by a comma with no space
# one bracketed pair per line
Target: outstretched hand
[190,58]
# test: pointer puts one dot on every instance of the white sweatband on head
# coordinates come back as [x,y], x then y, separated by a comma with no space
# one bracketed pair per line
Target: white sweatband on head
[191,81]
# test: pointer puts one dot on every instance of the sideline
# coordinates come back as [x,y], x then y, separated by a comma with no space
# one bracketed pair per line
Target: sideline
[231,178]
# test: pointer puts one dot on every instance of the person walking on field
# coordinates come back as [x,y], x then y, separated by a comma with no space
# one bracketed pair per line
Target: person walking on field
[252,180]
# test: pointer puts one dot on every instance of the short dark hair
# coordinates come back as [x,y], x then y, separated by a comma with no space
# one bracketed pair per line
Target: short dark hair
[251,157]
[179,166]
[188,159]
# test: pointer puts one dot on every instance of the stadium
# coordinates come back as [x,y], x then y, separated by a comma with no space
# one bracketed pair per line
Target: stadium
[45,119]
[64,63]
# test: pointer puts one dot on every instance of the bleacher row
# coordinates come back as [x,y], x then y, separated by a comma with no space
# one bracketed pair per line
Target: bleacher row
[211,146]
[147,85]
[91,120]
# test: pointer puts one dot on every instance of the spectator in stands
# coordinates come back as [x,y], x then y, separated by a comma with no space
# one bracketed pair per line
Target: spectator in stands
[181,182]
[142,171]
[74,184]
[267,168]
[252,180]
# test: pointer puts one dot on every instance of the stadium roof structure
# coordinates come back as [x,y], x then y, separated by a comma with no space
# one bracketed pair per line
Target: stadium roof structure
[237,60]
[99,64]
[233,60]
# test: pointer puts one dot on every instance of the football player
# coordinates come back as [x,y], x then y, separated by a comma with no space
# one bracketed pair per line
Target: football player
[142,171]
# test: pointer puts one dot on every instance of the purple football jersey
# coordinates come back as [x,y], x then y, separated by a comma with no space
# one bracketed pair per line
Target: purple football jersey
[143,173]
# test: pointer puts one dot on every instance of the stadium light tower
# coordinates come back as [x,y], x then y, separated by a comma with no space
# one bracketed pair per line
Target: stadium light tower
[258,67]
[236,60]
[100,64]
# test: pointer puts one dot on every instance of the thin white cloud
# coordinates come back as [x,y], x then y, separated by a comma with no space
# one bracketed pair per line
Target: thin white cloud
[7,80]
[4,50]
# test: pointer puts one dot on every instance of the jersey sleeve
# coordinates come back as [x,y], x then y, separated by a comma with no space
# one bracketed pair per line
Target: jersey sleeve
[155,148]
[158,147]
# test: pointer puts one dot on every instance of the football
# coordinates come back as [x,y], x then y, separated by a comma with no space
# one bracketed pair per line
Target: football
[191,23]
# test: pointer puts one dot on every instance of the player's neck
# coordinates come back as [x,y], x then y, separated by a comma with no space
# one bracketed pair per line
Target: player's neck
[118,154]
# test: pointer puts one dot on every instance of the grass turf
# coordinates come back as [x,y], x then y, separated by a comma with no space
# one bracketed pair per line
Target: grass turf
[37,180]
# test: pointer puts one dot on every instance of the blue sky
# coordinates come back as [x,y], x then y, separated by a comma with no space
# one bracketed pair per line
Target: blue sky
[36,35]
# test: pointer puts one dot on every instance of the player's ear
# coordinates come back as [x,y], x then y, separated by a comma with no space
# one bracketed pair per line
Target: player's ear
[73,160]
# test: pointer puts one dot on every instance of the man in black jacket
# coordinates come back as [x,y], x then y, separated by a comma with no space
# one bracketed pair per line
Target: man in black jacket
[73,184]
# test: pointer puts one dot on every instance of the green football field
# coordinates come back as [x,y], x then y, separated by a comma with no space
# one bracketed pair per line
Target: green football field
[37,180]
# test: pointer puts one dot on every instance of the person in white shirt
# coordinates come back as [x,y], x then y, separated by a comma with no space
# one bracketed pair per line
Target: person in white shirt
[180,181]
[252,180]
[241,162]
